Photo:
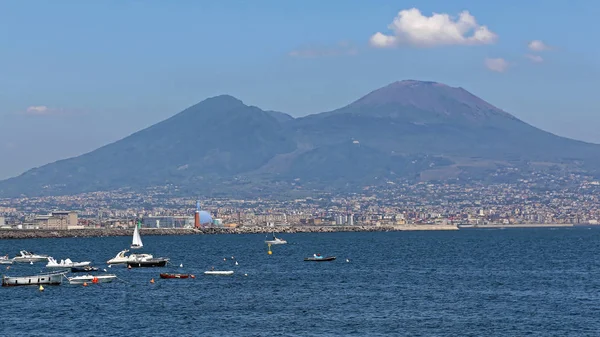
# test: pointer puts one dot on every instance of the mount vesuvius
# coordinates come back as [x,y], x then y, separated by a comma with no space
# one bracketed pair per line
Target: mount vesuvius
[405,130]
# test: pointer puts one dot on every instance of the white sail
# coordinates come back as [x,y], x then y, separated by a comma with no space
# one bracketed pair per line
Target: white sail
[137,240]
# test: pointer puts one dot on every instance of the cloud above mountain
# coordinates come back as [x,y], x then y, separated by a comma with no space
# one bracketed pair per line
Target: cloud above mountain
[43,110]
[498,65]
[411,27]
[538,45]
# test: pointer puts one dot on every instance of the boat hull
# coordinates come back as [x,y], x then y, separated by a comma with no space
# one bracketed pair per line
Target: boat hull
[19,259]
[46,279]
[219,272]
[324,259]
[90,279]
[276,242]
[83,269]
[70,265]
[148,263]
[166,275]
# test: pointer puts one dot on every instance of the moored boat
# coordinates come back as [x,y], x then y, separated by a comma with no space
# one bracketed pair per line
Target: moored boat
[219,272]
[121,258]
[169,275]
[148,262]
[275,240]
[65,263]
[5,260]
[47,278]
[92,279]
[319,258]
[136,242]
[26,257]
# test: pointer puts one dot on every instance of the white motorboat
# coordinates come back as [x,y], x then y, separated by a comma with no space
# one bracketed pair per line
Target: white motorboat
[92,279]
[27,257]
[5,260]
[65,263]
[121,258]
[275,241]
[47,278]
[219,272]
[136,242]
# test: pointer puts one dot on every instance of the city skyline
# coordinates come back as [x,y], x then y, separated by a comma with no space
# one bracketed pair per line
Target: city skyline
[135,64]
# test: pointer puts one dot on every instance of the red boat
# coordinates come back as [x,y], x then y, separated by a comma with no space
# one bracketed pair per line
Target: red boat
[167,275]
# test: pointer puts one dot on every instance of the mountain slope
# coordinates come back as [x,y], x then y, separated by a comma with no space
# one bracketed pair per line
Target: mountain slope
[218,137]
[408,129]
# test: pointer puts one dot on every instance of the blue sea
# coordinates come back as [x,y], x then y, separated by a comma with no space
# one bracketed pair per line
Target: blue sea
[514,282]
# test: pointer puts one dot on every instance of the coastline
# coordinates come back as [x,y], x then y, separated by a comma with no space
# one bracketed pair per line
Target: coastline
[106,232]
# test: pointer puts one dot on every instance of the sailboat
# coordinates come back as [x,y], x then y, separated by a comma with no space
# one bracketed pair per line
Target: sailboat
[137,240]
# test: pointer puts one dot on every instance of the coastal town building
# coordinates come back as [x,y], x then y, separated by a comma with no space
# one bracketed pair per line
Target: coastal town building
[57,220]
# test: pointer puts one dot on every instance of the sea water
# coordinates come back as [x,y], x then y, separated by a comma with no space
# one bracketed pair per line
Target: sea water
[514,282]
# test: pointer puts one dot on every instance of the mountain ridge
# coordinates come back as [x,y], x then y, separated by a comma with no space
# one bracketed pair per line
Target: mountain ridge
[401,130]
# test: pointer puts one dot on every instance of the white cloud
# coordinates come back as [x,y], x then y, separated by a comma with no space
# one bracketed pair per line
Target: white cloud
[499,65]
[42,110]
[537,45]
[535,58]
[410,27]
[342,48]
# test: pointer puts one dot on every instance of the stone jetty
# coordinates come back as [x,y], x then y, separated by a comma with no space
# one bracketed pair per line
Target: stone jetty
[104,232]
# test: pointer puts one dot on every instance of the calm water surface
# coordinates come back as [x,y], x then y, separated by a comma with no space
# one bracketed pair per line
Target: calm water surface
[515,282]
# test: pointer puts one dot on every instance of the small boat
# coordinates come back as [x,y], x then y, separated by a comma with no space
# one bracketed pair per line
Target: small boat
[85,269]
[5,260]
[276,241]
[145,262]
[168,275]
[47,278]
[219,272]
[92,279]
[65,263]
[136,242]
[319,258]
[26,257]
[121,258]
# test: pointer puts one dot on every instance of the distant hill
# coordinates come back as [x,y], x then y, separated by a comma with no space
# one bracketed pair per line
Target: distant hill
[408,129]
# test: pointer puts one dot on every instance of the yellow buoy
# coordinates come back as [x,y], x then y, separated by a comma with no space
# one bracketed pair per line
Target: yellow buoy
[269,252]
[41,288]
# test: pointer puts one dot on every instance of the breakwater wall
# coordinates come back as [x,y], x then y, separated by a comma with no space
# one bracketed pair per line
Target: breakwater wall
[104,232]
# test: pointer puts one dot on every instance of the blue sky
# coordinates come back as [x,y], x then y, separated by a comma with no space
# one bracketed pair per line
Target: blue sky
[75,75]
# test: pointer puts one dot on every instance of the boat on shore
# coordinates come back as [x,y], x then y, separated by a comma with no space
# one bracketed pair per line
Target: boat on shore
[92,279]
[121,258]
[136,241]
[47,278]
[319,258]
[169,275]
[275,240]
[26,257]
[85,269]
[219,272]
[65,263]
[148,262]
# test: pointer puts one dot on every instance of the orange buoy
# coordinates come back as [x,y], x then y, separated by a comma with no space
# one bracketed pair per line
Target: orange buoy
[95,280]
[85,284]
[193,276]
[151,280]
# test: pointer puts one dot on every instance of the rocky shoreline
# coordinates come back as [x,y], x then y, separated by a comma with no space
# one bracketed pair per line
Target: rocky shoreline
[105,232]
